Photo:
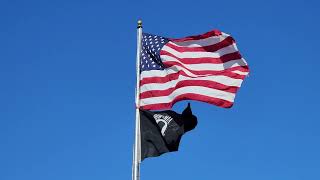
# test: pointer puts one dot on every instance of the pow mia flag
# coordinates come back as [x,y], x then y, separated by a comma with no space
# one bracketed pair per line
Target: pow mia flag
[161,131]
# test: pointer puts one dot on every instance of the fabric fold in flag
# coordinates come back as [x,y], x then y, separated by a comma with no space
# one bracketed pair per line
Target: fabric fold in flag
[207,68]
[161,131]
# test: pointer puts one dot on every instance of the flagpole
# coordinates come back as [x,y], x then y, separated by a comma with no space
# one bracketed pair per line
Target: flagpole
[137,143]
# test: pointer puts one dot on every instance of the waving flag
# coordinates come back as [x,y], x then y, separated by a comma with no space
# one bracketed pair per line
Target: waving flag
[207,68]
[161,131]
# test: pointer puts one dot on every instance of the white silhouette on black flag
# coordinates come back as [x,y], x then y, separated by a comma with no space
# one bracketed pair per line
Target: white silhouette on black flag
[161,131]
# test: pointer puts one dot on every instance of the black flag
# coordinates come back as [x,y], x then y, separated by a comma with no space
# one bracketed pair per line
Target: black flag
[161,131]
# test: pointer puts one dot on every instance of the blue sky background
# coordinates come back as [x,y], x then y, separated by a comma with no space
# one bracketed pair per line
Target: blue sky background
[67,78]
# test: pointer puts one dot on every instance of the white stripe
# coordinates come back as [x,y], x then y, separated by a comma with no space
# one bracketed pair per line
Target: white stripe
[201,42]
[167,71]
[155,73]
[215,79]
[172,70]
[223,51]
[240,72]
[207,66]
[190,89]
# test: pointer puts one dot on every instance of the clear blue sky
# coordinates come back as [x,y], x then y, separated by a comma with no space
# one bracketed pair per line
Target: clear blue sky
[67,77]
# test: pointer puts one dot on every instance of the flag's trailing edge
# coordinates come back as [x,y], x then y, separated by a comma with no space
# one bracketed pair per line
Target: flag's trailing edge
[207,68]
[161,131]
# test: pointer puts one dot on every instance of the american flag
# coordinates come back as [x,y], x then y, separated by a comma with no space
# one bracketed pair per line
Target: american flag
[207,68]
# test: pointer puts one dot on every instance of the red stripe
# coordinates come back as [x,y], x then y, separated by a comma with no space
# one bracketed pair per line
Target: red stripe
[222,59]
[198,37]
[174,76]
[181,84]
[212,48]
[189,96]
[169,64]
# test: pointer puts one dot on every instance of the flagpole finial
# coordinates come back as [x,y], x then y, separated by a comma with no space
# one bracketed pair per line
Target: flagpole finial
[139,24]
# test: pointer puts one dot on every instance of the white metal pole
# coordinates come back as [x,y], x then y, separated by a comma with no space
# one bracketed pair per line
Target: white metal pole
[137,144]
